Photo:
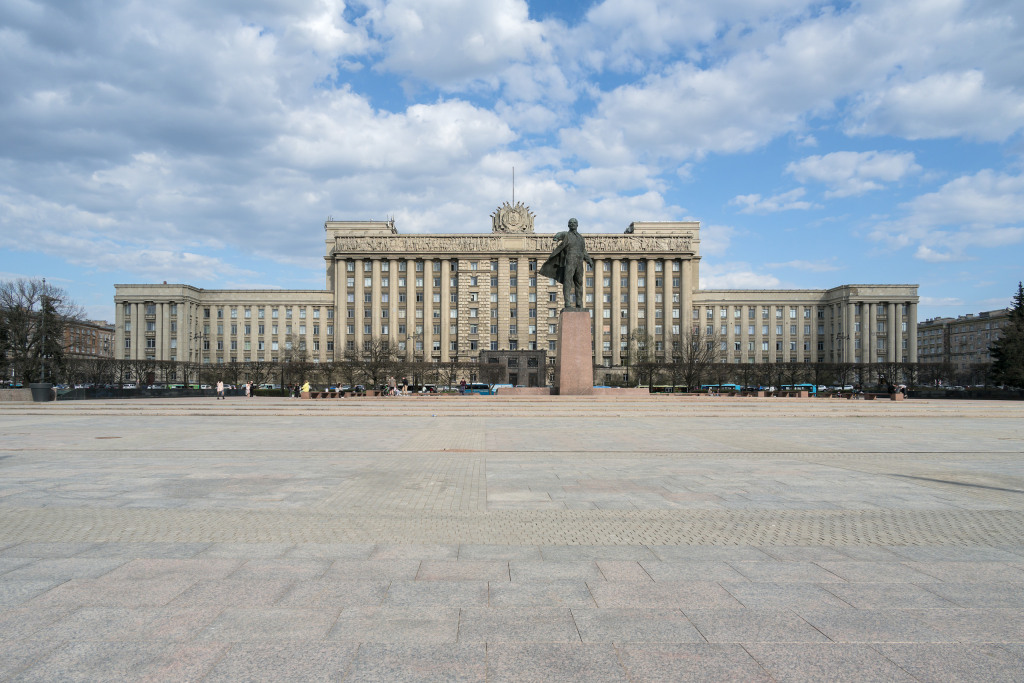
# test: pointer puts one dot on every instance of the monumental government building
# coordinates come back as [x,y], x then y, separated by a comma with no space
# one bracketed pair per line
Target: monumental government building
[444,297]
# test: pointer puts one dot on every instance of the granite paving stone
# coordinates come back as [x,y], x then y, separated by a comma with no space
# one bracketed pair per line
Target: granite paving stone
[397,625]
[186,662]
[794,596]
[877,572]
[483,538]
[753,625]
[690,662]
[316,661]
[561,593]
[888,595]
[431,594]
[96,661]
[517,624]
[979,595]
[875,626]
[635,626]
[664,594]
[238,624]
[976,625]
[829,663]
[954,662]
[16,654]
[415,663]
[552,570]
[463,570]
[234,592]
[542,662]
[332,593]
[16,593]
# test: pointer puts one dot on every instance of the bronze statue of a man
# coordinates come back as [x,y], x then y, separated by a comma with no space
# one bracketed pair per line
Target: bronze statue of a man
[566,264]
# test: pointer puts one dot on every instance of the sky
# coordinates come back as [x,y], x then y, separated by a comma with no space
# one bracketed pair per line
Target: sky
[205,142]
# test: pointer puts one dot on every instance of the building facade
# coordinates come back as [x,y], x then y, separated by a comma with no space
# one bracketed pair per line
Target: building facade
[446,298]
[962,342]
[89,339]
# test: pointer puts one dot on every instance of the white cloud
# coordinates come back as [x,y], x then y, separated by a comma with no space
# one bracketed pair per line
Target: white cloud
[850,174]
[944,105]
[452,42]
[812,266]
[786,201]
[980,210]
[941,301]
[735,276]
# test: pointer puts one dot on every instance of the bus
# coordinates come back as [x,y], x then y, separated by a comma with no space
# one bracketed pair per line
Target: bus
[811,389]
[719,388]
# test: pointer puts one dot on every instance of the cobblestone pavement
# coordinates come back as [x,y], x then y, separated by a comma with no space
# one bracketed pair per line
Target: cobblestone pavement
[490,538]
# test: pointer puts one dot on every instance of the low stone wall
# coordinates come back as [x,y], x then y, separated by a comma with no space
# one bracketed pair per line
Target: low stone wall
[523,391]
[619,391]
[12,395]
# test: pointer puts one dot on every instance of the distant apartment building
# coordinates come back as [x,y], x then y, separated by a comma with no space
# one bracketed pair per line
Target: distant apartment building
[89,339]
[963,342]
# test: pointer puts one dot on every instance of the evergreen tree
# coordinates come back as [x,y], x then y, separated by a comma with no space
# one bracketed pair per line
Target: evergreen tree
[1008,350]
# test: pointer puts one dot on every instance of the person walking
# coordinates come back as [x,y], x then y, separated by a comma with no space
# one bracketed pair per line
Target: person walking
[220,389]
[248,386]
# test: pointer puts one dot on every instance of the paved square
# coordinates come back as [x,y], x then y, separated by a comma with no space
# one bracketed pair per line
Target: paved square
[490,538]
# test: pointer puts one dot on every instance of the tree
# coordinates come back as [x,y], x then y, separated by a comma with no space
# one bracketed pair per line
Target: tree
[377,360]
[641,351]
[33,317]
[490,374]
[1008,350]
[693,359]
[260,371]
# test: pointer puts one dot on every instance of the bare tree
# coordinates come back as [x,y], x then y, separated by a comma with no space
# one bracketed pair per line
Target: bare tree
[490,374]
[260,371]
[33,317]
[646,365]
[376,361]
[451,371]
[692,360]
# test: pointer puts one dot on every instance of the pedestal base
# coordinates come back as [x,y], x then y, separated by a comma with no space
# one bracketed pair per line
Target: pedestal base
[574,359]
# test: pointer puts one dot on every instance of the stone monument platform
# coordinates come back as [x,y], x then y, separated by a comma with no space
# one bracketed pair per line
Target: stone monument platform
[574,359]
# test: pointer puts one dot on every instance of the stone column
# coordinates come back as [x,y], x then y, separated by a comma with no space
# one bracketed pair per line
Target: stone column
[138,325]
[666,307]
[599,308]
[631,301]
[503,306]
[393,303]
[410,309]
[375,303]
[648,289]
[894,320]
[428,309]
[686,300]
[119,333]
[912,332]
[616,307]
[340,313]
[850,356]
[871,335]
[163,331]
[360,306]
[446,307]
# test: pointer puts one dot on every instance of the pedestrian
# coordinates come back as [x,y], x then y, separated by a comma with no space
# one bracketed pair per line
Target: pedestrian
[252,388]
[247,387]
[220,389]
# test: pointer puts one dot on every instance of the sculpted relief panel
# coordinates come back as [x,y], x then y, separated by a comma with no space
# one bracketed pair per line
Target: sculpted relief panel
[599,245]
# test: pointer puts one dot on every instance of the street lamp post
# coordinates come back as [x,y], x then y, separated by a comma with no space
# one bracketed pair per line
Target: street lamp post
[42,325]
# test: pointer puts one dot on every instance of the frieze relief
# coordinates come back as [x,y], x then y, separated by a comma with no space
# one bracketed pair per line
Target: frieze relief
[486,244]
